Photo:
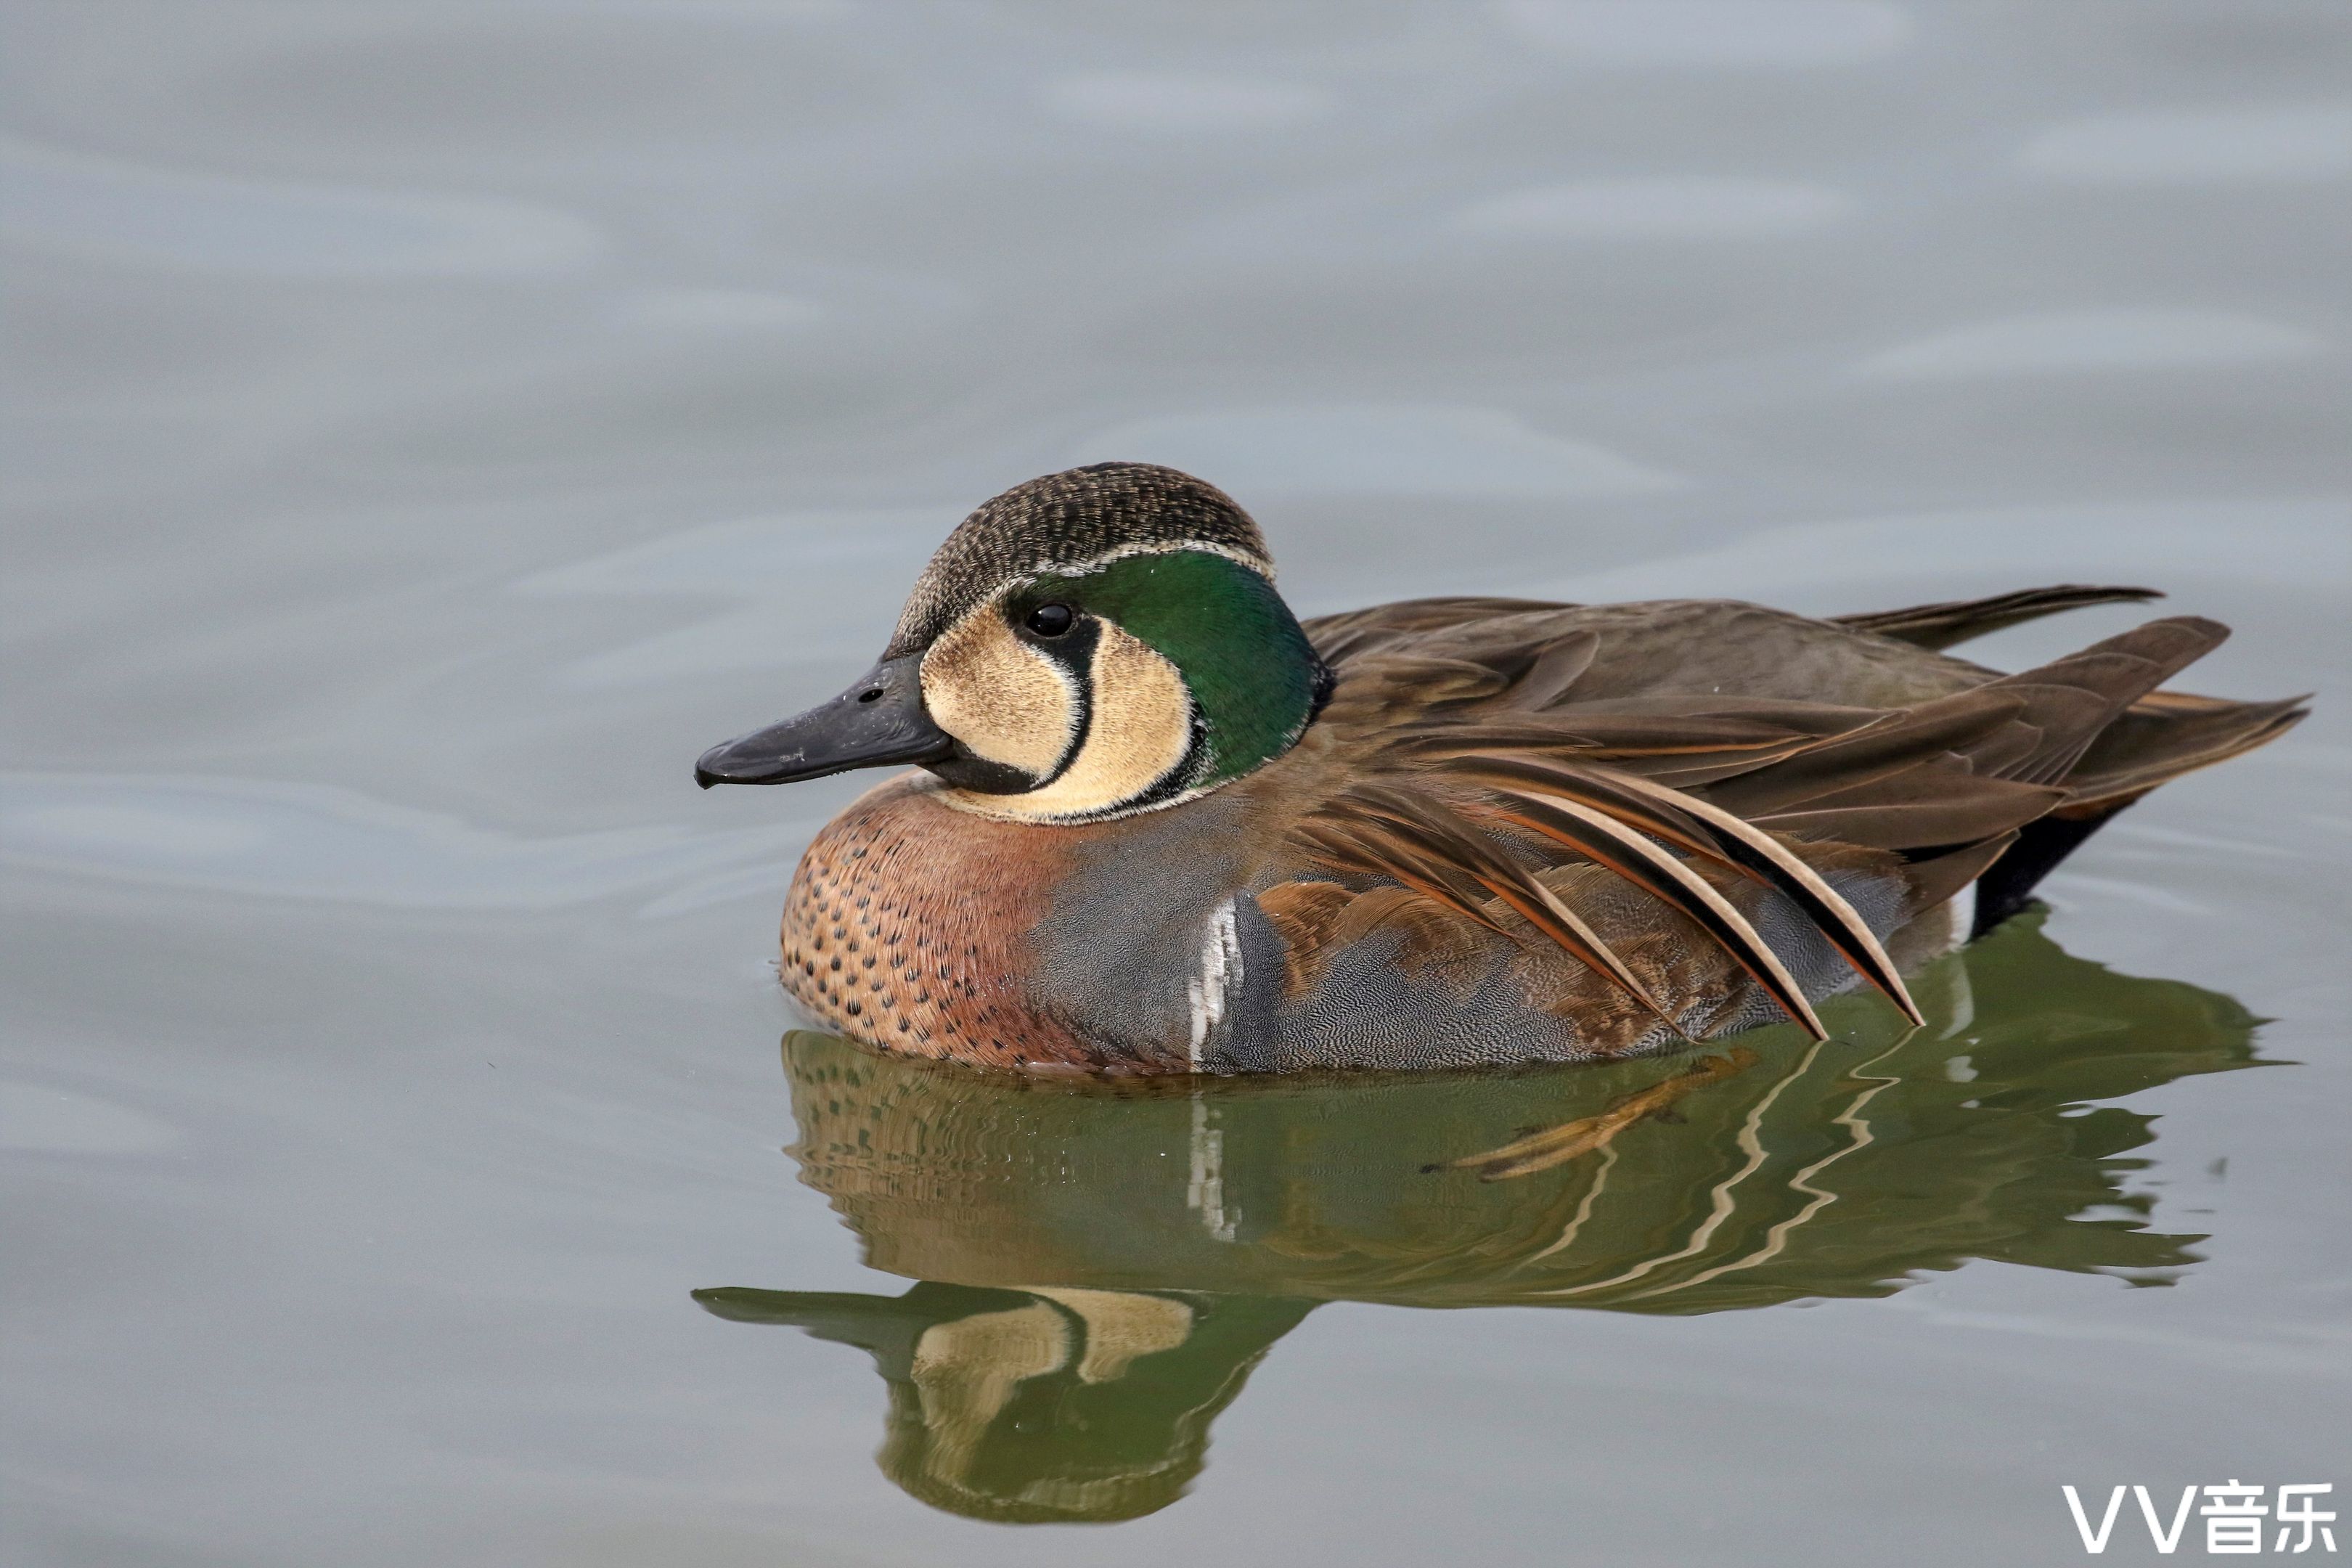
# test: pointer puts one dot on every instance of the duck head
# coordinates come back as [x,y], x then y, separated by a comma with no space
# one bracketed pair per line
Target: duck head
[1099,641]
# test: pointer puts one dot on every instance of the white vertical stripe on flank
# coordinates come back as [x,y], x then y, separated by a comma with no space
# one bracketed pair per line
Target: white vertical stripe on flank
[1210,992]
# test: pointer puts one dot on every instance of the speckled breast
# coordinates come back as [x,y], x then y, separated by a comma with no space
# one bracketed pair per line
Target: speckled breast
[907,927]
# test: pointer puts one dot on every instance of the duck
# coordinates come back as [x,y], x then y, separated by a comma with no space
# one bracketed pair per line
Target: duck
[1153,824]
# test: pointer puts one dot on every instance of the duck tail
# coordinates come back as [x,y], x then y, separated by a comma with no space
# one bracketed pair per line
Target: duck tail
[2146,738]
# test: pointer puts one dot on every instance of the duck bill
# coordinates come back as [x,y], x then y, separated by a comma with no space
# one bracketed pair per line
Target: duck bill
[880,722]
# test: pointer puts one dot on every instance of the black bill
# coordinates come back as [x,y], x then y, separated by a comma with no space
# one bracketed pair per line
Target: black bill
[878,721]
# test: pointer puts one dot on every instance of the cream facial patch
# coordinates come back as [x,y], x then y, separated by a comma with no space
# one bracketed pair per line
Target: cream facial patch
[1007,702]
[1139,732]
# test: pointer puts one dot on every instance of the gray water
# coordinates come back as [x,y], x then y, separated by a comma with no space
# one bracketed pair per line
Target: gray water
[436,423]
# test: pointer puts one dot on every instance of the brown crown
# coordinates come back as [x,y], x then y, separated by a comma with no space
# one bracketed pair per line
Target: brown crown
[1064,519]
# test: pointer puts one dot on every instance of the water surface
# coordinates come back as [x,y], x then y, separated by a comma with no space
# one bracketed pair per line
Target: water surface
[434,426]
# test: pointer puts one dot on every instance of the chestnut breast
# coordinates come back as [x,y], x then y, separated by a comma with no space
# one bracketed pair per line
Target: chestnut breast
[932,931]
[916,927]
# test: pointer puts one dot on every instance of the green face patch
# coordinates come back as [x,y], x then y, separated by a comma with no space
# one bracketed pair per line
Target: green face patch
[1252,675]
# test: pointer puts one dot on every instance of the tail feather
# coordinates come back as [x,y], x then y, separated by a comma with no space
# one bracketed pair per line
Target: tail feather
[2001,781]
[1942,625]
[2168,733]
[2146,737]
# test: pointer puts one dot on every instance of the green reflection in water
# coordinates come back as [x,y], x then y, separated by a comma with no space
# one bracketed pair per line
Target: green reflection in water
[1102,1264]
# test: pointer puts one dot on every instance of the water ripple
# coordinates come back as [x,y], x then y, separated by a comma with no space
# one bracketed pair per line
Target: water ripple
[313,841]
[2251,146]
[2092,341]
[82,206]
[1712,35]
[1382,449]
[1657,210]
[40,1119]
[763,566]
[1135,100]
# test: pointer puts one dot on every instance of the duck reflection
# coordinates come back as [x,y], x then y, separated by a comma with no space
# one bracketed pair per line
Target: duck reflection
[1103,1265]
[1025,1406]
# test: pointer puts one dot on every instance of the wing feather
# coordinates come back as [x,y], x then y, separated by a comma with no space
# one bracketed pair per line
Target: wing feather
[1601,839]
[1427,847]
[1476,738]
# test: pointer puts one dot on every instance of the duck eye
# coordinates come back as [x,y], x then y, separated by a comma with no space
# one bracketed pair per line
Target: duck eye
[1050,620]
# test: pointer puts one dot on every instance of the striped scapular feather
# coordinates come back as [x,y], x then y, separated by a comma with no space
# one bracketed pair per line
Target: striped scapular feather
[1428,848]
[1660,741]
[1760,855]
[1349,840]
[1681,817]
[1601,839]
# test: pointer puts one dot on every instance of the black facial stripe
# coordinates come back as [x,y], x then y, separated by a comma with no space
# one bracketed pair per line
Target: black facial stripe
[1073,650]
[980,775]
